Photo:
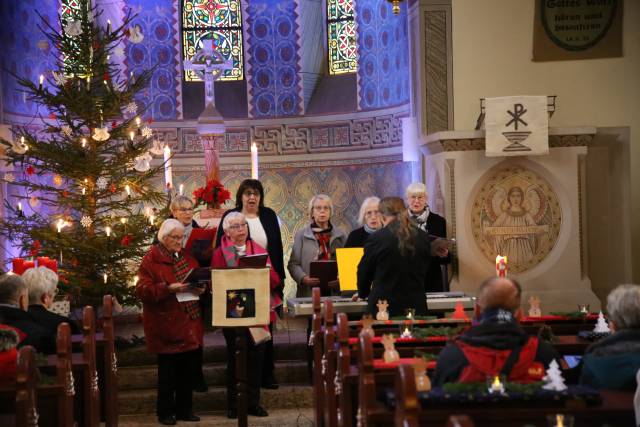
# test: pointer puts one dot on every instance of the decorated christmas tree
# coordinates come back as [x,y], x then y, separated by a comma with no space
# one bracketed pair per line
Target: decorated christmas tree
[82,180]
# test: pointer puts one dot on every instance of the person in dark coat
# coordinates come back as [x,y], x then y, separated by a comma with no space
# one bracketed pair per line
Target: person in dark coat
[173,329]
[264,229]
[612,362]
[484,350]
[14,300]
[432,224]
[394,264]
[369,219]
[43,287]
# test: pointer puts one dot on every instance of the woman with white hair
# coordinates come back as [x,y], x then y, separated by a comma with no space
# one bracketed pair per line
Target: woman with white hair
[432,224]
[43,288]
[317,241]
[370,219]
[612,362]
[173,329]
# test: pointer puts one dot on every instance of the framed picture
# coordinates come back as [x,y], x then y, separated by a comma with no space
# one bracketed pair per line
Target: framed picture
[240,297]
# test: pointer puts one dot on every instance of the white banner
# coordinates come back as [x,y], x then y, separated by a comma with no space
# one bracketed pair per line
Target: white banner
[516,126]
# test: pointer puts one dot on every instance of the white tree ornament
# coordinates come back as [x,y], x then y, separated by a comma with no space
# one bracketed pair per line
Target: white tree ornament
[157,148]
[131,108]
[142,163]
[101,134]
[135,34]
[9,177]
[59,78]
[146,132]
[554,380]
[86,221]
[66,130]
[102,183]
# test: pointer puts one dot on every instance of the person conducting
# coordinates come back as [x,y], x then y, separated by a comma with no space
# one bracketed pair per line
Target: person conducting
[395,262]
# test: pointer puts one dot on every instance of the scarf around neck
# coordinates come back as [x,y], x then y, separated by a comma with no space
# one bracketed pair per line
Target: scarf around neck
[420,220]
[181,269]
[323,236]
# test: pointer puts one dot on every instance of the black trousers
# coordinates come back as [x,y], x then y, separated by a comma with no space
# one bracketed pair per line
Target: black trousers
[255,355]
[268,366]
[176,373]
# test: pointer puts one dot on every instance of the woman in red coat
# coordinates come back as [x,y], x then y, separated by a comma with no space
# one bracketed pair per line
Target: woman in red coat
[234,244]
[173,329]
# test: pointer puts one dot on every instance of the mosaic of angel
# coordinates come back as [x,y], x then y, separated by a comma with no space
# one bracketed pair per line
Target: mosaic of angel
[515,220]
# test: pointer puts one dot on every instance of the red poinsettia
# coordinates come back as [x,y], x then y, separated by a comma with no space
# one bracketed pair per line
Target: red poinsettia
[213,193]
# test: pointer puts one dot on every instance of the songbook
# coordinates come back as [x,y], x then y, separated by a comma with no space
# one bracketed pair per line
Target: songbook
[348,260]
[326,271]
[439,243]
[253,261]
[198,276]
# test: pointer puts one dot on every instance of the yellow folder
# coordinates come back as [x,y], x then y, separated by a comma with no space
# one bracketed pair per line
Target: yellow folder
[348,260]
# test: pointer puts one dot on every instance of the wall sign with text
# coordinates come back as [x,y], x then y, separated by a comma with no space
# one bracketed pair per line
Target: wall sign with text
[577,29]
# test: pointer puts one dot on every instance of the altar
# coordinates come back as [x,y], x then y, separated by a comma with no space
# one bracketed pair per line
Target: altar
[533,209]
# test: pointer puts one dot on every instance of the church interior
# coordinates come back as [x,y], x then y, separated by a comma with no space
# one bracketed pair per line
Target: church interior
[112,110]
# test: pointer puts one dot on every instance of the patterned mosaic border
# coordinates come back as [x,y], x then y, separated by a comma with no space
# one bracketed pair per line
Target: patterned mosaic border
[477,144]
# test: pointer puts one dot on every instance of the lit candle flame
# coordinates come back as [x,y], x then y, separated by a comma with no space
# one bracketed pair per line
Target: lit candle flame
[123,220]
[127,189]
[20,206]
[138,121]
[152,218]
[135,280]
[181,189]
[104,276]
[132,134]
[60,225]
[83,141]
[41,79]
[107,230]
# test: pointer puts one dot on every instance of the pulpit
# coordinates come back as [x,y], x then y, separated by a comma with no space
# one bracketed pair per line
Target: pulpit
[531,209]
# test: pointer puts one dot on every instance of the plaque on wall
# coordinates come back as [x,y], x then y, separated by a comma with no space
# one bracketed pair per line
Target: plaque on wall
[577,29]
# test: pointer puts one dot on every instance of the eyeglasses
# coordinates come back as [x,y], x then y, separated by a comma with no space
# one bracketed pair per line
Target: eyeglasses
[184,210]
[250,193]
[236,227]
[417,197]
[176,238]
[321,208]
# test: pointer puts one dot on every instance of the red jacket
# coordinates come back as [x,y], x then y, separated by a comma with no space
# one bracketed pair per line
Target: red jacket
[167,327]
[218,261]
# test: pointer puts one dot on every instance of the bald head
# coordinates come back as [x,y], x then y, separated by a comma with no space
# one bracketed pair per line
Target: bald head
[499,292]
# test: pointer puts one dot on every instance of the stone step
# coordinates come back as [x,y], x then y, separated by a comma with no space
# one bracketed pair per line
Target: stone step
[145,377]
[144,401]
[139,356]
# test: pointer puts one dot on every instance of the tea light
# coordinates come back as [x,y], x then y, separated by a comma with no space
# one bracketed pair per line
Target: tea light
[406,333]
[496,386]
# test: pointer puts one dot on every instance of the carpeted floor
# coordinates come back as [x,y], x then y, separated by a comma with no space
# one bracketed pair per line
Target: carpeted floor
[276,418]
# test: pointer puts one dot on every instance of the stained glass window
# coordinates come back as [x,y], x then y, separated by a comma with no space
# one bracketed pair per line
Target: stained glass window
[219,20]
[67,8]
[341,34]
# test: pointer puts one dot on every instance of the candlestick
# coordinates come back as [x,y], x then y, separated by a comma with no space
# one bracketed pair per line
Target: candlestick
[168,175]
[254,161]
[41,81]
[501,266]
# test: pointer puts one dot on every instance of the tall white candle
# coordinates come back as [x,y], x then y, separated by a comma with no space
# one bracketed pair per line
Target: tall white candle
[181,189]
[254,161]
[168,175]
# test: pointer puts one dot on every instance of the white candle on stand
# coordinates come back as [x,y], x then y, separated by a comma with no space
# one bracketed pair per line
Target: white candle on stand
[168,176]
[254,161]
[181,189]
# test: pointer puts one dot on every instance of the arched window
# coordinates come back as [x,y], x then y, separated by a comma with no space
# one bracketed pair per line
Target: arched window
[341,37]
[220,20]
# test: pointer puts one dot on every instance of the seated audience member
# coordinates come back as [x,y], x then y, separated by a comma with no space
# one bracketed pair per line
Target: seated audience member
[317,241]
[496,344]
[370,220]
[613,362]
[14,300]
[9,339]
[43,287]
[236,243]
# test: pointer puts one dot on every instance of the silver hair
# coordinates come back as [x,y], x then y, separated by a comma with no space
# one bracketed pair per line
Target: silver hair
[363,207]
[11,288]
[320,197]
[168,225]
[180,202]
[232,216]
[623,306]
[40,281]
[415,188]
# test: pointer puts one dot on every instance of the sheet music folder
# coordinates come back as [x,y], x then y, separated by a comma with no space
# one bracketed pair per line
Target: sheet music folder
[198,276]
[326,271]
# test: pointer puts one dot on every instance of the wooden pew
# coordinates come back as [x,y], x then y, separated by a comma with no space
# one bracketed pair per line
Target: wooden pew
[26,380]
[316,342]
[91,395]
[107,366]
[329,363]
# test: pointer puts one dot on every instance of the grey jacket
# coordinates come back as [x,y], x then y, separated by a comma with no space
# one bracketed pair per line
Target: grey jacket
[305,249]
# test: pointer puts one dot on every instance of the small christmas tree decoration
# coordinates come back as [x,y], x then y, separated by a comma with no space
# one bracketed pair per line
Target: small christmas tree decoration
[135,35]
[146,132]
[157,148]
[19,147]
[390,352]
[66,130]
[131,108]
[367,329]
[142,163]
[86,221]
[101,134]
[406,330]
[554,380]
[496,385]
[602,327]
[9,177]
[534,307]
[57,180]
[102,183]
[59,78]
[382,313]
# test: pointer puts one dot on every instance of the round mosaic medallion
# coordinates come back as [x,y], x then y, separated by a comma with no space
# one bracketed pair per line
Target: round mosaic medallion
[338,186]
[275,190]
[516,213]
[305,186]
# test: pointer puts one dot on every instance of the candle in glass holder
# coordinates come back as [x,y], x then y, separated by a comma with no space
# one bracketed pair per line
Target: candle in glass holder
[406,333]
[496,385]
[501,266]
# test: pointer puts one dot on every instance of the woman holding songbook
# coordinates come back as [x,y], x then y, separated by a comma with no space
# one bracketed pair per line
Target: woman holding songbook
[317,241]
[369,219]
[235,243]
[264,229]
[432,224]
[172,321]
[394,266]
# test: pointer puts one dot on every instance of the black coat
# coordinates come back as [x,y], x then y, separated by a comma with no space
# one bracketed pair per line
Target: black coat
[383,273]
[269,221]
[50,320]
[37,336]
[357,238]
[436,226]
